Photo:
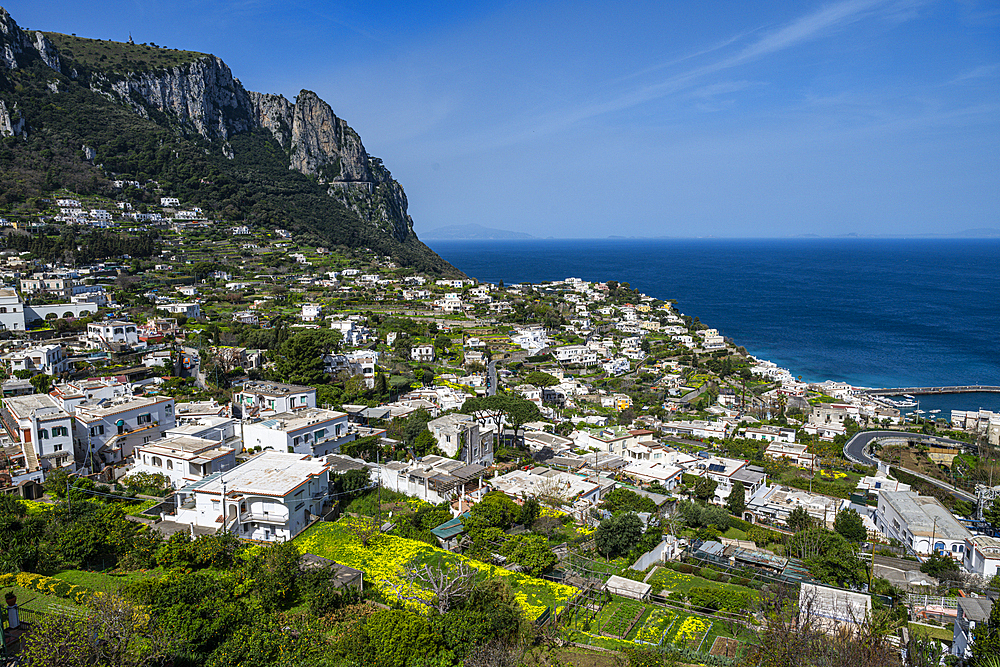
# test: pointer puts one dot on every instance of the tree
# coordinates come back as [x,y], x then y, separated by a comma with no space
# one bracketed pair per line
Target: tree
[829,557]
[799,519]
[992,513]
[531,552]
[849,524]
[736,502]
[617,535]
[940,567]
[541,379]
[530,510]
[495,510]
[42,383]
[448,583]
[391,638]
[113,631]
[365,528]
[704,488]
[300,358]
[626,500]
[986,636]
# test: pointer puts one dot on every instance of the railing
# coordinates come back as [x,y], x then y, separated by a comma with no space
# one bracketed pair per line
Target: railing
[262,518]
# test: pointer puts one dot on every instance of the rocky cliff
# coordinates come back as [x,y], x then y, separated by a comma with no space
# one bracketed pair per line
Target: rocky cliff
[201,96]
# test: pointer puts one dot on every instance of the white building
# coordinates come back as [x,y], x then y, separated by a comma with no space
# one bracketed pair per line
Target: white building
[107,432]
[433,478]
[972,612]
[190,310]
[11,310]
[576,354]
[48,359]
[42,429]
[922,523]
[766,433]
[423,353]
[548,486]
[68,395]
[358,363]
[796,454]
[982,555]
[257,399]
[459,436]
[169,201]
[311,431]
[311,312]
[271,497]
[113,331]
[183,458]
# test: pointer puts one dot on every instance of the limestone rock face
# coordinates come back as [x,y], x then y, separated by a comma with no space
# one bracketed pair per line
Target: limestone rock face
[11,122]
[13,40]
[47,52]
[274,114]
[202,96]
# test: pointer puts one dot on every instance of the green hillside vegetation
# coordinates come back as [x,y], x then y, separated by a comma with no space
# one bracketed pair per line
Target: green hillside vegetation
[119,57]
[256,187]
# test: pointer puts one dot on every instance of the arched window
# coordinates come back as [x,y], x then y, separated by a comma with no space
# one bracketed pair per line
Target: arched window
[43,434]
[3,309]
[157,461]
[939,546]
[170,464]
[121,426]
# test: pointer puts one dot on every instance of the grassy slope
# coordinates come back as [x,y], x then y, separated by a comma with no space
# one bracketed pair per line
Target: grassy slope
[119,57]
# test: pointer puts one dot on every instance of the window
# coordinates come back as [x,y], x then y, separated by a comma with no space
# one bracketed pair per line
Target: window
[170,464]
[43,434]
[320,433]
[57,448]
[157,462]
[144,419]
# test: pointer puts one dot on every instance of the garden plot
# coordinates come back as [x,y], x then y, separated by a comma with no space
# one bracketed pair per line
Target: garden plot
[688,632]
[653,626]
[624,615]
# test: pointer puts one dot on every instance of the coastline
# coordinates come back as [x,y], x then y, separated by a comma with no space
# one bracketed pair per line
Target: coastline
[873,313]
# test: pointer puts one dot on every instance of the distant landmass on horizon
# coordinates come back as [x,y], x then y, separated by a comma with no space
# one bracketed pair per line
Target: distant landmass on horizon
[471,232]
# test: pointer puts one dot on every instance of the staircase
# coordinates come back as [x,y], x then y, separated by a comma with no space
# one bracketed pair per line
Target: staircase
[30,456]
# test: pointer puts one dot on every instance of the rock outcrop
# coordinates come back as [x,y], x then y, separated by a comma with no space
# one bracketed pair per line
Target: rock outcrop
[204,97]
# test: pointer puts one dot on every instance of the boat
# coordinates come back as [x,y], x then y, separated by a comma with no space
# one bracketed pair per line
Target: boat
[905,404]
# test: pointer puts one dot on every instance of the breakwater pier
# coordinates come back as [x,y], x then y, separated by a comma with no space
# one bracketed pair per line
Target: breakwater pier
[917,391]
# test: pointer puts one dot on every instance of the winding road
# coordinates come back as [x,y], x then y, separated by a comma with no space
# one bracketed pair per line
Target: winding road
[856,450]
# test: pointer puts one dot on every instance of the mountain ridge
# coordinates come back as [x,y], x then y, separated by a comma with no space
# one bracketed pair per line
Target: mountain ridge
[197,99]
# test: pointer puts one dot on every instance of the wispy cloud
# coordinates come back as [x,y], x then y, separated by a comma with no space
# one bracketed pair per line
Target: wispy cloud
[804,29]
[981,72]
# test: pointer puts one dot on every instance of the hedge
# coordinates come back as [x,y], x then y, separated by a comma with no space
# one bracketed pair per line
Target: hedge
[48,585]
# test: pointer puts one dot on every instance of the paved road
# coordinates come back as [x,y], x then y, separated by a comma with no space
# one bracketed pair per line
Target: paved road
[856,450]
[491,369]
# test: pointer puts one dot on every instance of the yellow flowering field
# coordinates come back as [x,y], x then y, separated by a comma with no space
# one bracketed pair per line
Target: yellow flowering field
[383,558]
[690,632]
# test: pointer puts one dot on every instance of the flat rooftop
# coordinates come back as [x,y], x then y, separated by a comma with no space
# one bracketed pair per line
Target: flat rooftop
[293,421]
[270,473]
[33,404]
[925,516]
[274,388]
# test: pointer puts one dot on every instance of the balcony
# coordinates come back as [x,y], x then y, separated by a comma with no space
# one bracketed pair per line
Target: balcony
[263,517]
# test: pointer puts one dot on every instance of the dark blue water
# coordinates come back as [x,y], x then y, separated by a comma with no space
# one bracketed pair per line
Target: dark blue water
[878,313]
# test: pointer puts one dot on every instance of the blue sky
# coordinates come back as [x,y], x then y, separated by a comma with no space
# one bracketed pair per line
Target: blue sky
[587,119]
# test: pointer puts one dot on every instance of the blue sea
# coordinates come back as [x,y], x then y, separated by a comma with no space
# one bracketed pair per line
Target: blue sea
[871,312]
